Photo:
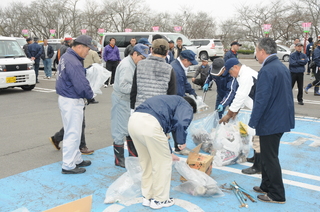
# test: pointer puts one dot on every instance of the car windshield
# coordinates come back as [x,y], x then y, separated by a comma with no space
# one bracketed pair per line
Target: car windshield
[21,41]
[186,41]
[10,48]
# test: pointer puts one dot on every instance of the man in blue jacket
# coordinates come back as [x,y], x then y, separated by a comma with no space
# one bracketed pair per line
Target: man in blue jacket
[297,63]
[232,53]
[316,59]
[35,52]
[157,116]
[74,90]
[272,115]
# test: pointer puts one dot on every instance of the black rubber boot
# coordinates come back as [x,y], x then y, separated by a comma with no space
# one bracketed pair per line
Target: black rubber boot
[131,149]
[256,168]
[118,155]
[251,160]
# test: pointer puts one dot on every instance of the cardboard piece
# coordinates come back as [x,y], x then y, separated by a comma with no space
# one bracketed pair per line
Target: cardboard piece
[202,162]
[80,205]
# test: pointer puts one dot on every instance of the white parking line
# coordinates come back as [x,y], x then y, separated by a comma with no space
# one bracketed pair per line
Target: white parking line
[44,90]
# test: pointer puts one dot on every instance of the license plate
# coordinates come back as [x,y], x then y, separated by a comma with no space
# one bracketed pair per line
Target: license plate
[11,79]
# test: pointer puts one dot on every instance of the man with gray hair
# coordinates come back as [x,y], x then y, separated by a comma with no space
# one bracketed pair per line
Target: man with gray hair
[272,115]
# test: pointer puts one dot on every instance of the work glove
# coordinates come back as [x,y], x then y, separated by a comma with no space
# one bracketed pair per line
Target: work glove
[205,87]
[220,108]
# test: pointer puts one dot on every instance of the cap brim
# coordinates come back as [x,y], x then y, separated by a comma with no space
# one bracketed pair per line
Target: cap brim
[194,62]
[145,55]
[92,47]
[217,72]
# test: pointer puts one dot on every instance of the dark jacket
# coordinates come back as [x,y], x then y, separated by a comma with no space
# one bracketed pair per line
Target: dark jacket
[183,86]
[25,49]
[273,108]
[229,55]
[297,62]
[203,71]
[172,112]
[128,50]
[71,77]
[169,57]
[316,56]
[35,50]
[50,52]
[309,49]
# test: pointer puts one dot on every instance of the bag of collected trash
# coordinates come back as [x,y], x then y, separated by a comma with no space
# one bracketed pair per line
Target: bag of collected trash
[198,183]
[201,106]
[201,131]
[97,75]
[128,185]
[23,209]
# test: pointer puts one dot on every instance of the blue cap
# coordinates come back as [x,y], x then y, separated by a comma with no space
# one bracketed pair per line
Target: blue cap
[144,41]
[142,49]
[230,63]
[189,55]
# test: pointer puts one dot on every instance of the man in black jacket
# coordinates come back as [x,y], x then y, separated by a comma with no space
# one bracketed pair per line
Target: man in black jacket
[47,54]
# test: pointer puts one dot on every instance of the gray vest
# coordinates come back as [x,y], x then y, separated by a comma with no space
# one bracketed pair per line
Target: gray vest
[153,76]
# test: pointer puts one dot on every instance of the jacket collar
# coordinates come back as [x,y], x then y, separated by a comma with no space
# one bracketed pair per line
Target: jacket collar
[270,58]
[71,51]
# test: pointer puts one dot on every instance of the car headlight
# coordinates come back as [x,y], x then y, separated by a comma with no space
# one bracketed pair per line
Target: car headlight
[3,68]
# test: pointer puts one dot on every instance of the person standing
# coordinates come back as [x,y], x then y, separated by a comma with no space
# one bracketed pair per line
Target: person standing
[129,48]
[25,46]
[178,48]
[316,59]
[47,54]
[91,58]
[309,52]
[120,111]
[73,89]
[111,56]
[272,115]
[293,46]
[35,52]
[63,48]
[203,70]
[171,46]
[297,63]
[233,52]
[148,127]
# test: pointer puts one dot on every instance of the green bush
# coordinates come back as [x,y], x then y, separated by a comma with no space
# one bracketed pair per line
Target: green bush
[245,51]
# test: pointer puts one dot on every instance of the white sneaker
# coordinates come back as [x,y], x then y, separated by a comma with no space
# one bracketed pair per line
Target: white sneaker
[185,151]
[146,202]
[48,77]
[157,205]
[105,86]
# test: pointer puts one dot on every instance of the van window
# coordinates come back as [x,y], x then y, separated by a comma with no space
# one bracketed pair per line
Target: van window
[185,40]
[122,41]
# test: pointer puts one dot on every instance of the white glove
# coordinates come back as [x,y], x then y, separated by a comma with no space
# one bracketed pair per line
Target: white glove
[131,111]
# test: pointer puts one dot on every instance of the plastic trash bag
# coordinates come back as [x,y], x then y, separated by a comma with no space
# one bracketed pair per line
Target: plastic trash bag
[198,183]
[128,185]
[201,106]
[97,75]
[23,209]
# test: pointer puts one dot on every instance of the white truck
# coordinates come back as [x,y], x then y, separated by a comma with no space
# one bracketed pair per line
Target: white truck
[16,70]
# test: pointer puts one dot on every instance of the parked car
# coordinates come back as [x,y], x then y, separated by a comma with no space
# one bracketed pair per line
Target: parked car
[283,53]
[208,48]
[16,70]
[21,41]
[55,45]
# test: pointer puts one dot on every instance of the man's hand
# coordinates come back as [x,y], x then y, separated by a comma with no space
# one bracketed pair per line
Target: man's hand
[220,108]
[205,87]
[174,157]
[227,117]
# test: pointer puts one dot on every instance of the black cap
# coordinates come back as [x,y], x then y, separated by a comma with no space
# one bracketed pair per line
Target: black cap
[235,43]
[85,40]
[170,41]
[217,67]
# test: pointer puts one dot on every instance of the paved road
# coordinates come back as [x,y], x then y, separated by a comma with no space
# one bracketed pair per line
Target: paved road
[28,119]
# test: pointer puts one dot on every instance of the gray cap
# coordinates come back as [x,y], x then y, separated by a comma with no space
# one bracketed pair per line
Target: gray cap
[299,44]
[85,40]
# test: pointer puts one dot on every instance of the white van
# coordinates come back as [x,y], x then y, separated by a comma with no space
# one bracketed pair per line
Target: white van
[123,39]
[16,70]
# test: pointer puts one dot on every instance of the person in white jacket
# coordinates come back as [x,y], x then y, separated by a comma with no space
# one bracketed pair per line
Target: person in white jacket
[244,97]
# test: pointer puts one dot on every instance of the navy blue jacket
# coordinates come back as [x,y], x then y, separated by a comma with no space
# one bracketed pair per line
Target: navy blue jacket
[50,52]
[229,55]
[297,62]
[316,56]
[172,112]
[35,50]
[183,86]
[171,57]
[273,108]
[308,51]
[71,79]
[226,87]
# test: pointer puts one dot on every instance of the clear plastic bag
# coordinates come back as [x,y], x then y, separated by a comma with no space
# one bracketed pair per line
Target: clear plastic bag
[201,106]
[128,185]
[97,75]
[198,183]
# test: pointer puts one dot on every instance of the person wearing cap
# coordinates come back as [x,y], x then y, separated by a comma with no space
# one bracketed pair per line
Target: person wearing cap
[226,85]
[63,48]
[293,46]
[25,46]
[272,115]
[178,48]
[309,52]
[246,78]
[111,56]
[232,53]
[316,59]
[34,53]
[171,46]
[129,48]
[120,111]
[297,63]
[74,90]
[203,70]
[153,76]
[169,57]
[144,41]
[148,126]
